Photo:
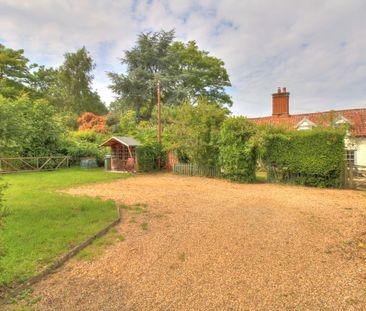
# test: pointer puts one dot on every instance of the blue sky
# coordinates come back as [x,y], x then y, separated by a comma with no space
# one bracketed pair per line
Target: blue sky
[314,48]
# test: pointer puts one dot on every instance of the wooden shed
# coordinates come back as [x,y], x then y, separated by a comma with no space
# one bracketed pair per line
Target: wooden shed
[123,153]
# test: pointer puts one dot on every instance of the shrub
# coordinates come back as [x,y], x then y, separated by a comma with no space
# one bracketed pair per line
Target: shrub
[238,154]
[84,144]
[28,128]
[148,156]
[90,121]
[196,132]
[311,158]
[89,136]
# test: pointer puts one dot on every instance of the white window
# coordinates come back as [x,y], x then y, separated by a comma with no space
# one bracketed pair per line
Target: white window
[350,156]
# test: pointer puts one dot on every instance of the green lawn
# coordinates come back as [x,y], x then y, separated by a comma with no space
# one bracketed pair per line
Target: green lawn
[44,223]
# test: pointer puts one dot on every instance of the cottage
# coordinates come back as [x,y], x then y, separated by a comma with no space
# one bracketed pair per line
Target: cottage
[356,118]
[123,153]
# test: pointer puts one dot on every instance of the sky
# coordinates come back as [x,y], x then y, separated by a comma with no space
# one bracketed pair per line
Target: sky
[317,49]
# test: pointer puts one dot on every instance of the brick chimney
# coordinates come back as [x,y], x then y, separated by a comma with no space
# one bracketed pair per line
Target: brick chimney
[280,102]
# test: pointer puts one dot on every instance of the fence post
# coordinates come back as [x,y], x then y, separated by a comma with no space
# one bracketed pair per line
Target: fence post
[344,174]
[351,184]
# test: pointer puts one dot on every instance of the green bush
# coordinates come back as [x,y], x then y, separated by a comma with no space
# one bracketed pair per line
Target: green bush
[28,127]
[196,133]
[238,153]
[89,136]
[311,158]
[148,156]
[83,144]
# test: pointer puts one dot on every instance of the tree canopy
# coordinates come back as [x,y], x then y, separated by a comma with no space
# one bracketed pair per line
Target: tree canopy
[186,74]
[67,88]
[71,86]
[28,127]
[15,75]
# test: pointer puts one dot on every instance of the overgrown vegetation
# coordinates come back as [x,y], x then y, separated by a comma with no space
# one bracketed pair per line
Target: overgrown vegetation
[28,127]
[238,152]
[311,158]
[195,132]
[148,156]
[45,223]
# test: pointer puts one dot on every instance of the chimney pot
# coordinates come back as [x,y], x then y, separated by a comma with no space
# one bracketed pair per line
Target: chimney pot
[278,90]
[284,90]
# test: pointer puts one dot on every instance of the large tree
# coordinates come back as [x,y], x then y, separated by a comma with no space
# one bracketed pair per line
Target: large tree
[186,74]
[72,89]
[15,75]
[67,88]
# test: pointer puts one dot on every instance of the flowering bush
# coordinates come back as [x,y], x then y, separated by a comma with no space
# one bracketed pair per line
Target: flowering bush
[90,121]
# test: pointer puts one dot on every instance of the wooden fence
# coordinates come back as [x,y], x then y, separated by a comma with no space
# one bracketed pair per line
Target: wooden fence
[26,164]
[355,176]
[195,170]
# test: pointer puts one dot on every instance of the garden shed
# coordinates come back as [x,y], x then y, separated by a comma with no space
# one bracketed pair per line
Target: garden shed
[123,153]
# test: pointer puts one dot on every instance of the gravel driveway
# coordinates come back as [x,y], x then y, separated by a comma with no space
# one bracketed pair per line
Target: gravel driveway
[214,245]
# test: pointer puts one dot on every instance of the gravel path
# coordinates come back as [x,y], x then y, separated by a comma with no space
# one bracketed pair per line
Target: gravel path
[215,245]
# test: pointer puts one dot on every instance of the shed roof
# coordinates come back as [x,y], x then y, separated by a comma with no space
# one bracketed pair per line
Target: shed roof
[127,141]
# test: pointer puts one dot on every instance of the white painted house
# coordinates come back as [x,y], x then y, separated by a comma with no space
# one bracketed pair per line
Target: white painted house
[356,118]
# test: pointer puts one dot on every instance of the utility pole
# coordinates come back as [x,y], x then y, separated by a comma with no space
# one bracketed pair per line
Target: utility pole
[159,123]
[159,115]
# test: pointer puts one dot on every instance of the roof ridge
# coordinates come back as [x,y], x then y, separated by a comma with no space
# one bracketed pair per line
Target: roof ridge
[311,113]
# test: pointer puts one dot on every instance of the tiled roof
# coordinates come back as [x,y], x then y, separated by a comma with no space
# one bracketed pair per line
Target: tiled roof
[357,117]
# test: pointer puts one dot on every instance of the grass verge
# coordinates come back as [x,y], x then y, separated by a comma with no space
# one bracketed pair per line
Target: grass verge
[44,223]
[99,245]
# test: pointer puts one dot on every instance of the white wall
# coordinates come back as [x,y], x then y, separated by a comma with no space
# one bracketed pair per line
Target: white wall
[360,154]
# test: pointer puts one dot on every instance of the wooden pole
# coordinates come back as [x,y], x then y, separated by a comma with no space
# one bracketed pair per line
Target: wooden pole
[159,114]
[159,122]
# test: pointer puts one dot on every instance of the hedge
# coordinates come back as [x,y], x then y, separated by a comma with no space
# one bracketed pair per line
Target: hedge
[238,153]
[311,158]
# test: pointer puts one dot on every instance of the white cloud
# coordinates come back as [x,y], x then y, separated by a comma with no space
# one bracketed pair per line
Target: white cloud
[314,48]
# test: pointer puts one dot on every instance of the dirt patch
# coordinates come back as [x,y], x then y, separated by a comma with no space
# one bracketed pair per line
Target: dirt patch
[204,244]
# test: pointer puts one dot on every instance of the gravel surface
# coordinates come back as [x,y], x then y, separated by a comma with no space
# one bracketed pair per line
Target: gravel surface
[206,244]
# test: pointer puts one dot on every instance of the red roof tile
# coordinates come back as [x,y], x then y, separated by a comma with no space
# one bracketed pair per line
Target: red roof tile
[357,117]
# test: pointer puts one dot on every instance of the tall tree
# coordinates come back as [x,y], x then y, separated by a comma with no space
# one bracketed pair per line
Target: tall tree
[199,74]
[74,84]
[15,75]
[186,74]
